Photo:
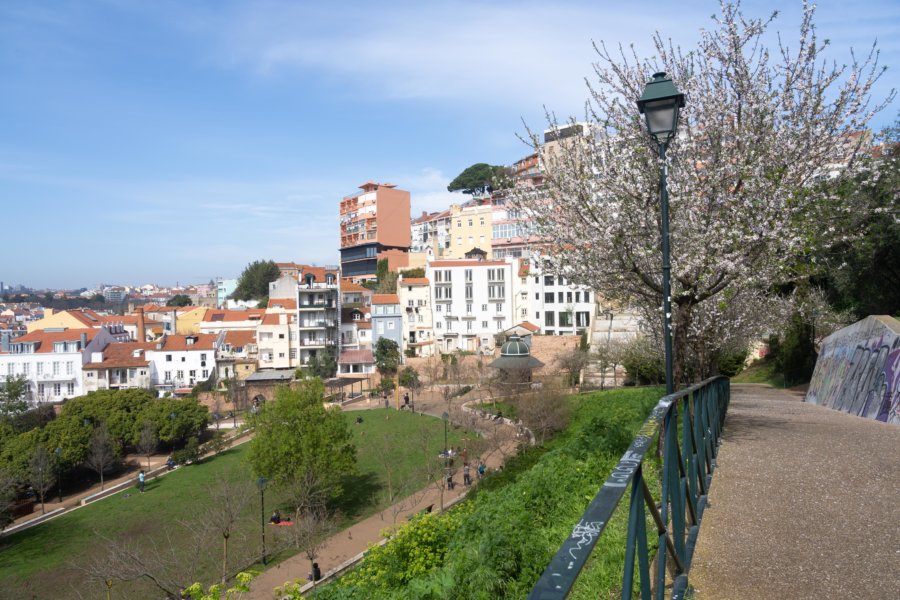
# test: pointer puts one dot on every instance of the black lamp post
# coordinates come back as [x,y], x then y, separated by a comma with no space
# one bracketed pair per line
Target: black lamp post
[446,418]
[660,104]
[261,484]
[59,470]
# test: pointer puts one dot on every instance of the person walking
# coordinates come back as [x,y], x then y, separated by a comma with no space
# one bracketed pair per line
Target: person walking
[467,478]
[141,479]
[482,468]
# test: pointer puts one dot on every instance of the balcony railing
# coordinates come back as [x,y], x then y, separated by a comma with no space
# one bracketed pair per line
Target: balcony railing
[694,417]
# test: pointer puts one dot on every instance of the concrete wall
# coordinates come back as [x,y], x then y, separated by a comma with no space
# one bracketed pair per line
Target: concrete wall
[858,370]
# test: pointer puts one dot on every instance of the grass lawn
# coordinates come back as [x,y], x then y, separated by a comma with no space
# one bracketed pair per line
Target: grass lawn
[43,562]
[760,371]
[498,406]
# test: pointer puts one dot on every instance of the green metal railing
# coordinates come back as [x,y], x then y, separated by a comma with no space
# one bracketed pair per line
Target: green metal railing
[689,425]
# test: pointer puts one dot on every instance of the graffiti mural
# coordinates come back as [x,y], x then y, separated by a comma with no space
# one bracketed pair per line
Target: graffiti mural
[858,370]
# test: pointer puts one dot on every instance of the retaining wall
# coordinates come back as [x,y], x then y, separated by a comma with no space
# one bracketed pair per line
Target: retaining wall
[858,370]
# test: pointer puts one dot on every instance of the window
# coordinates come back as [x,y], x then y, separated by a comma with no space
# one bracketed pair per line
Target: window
[468,275]
[179,374]
[390,325]
[499,307]
[496,274]
[468,325]
[560,297]
[549,319]
[89,374]
[280,336]
[449,325]
[496,291]
[459,240]
[438,307]
[168,358]
[565,319]
[26,367]
[548,297]
[167,376]
[69,368]
[420,319]
[184,359]
[481,240]
[57,389]
[10,369]
[560,280]
[132,373]
[582,318]
[292,354]
[459,223]
[587,297]
[203,356]
[569,297]
[484,308]
[469,292]
[56,367]
[548,279]
[468,308]
[40,389]
[537,315]
[577,296]
[484,324]
[438,324]
[40,368]
[380,327]
[470,222]
[537,295]
[280,355]
[481,222]
[192,373]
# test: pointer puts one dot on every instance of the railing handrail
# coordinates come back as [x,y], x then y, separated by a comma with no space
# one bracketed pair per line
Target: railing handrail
[684,488]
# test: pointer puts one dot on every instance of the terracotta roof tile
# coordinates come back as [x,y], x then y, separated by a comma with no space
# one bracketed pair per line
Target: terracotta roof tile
[118,356]
[413,281]
[240,338]
[356,357]
[46,339]
[285,303]
[385,299]
[231,316]
[202,341]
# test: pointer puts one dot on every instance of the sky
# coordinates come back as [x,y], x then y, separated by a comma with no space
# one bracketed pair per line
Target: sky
[177,141]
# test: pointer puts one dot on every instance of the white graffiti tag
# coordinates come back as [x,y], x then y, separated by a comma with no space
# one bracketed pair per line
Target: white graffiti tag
[585,532]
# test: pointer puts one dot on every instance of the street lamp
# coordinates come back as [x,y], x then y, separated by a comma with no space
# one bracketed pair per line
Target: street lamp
[446,418]
[660,104]
[59,470]
[261,484]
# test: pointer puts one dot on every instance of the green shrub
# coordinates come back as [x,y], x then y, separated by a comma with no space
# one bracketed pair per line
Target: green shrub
[731,363]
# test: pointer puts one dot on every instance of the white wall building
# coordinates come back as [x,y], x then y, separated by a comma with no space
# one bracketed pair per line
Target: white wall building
[415,304]
[556,305]
[472,302]
[179,362]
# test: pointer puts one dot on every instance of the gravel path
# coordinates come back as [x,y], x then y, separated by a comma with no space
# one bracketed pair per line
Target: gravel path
[805,503]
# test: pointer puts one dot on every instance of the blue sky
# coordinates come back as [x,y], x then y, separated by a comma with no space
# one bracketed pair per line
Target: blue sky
[175,141]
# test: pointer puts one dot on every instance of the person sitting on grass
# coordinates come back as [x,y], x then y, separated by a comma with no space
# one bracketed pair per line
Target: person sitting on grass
[275,519]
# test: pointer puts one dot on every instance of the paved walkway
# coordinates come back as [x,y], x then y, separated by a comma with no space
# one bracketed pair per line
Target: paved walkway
[805,503]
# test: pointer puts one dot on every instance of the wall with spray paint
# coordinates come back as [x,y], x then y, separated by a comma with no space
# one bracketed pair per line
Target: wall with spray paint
[858,370]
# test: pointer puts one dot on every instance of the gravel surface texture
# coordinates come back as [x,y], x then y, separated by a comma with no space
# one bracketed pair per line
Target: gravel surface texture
[805,503]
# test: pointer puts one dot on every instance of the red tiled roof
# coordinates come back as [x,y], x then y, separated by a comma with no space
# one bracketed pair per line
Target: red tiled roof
[529,326]
[46,339]
[233,315]
[348,285]
[363,324]
[118,356]
[176,343]
[286,303]
[413,281]
[385,299]
[240,338]
[275,319]
[356,357]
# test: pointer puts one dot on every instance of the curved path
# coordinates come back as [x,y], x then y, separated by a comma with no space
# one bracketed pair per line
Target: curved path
[805,503]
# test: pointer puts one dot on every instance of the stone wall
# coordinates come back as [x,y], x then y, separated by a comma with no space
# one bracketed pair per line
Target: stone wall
[858,370]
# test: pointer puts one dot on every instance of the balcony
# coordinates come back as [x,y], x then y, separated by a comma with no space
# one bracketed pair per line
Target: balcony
[319,343]
[316,305]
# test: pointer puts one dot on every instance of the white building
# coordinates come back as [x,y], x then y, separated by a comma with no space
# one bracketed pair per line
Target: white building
[52,359]
[556,305]
[415,303]
[179,362]
[472,302]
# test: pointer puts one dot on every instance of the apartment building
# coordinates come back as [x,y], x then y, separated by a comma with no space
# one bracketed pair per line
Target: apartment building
[470,228]
[556,305]
[415,303]
[179,362]
[373,221]
[52,359]
[387,320]
[319,312]
[471,301]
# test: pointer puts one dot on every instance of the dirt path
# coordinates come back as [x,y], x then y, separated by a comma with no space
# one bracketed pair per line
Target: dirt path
[804,504]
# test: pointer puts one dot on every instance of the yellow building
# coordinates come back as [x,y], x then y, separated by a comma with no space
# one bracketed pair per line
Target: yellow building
[470,227]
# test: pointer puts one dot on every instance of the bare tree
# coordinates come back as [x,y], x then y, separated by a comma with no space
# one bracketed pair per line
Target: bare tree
[148,441]
[40,474]
[543,414]
[101,455]
[231,495]
[572,362]
[399,492]
[310,534]
[162,563]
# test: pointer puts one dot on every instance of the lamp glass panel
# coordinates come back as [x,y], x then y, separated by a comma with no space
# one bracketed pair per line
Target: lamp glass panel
[660,116]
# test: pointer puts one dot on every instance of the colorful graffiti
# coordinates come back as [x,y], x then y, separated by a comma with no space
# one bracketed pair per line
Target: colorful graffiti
[858,370]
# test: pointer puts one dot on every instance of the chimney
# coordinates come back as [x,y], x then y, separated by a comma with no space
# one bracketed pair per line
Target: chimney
[174,321]
[141,325]
[83,341]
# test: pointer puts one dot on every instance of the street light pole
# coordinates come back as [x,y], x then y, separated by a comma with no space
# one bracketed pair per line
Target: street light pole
[660,104]
[59,470]
[261,484]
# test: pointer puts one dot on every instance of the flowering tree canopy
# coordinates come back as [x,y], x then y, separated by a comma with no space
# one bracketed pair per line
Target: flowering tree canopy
[759,128]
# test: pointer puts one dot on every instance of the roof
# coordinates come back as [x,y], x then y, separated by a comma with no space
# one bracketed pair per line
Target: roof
[231,316]
[46,338]
[275,319]
[356,357]
[529,326]
[273,375]
[348,285]
[468,263]
[118,356]
[240,337]
[413,281]
[363,324]
[202,341]
[285,303]
[385,299]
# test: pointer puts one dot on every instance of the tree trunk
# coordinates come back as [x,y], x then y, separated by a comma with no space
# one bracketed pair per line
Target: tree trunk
[681,321]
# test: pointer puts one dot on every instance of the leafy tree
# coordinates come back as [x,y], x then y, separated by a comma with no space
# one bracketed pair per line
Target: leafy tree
[324,364]
[121,410]
[757,128]
[13,396]
[297,440]
[176,419]
[7,496]
[476,178]
[102,453]
[387,357]
[409,378]
[417,272]
[381,269]
[253,284]
[72,435]
[179,300]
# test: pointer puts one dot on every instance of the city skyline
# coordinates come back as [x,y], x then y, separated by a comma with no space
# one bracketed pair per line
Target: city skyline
[165,142]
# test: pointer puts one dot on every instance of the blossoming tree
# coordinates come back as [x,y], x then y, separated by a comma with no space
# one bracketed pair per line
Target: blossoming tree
[759,128]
